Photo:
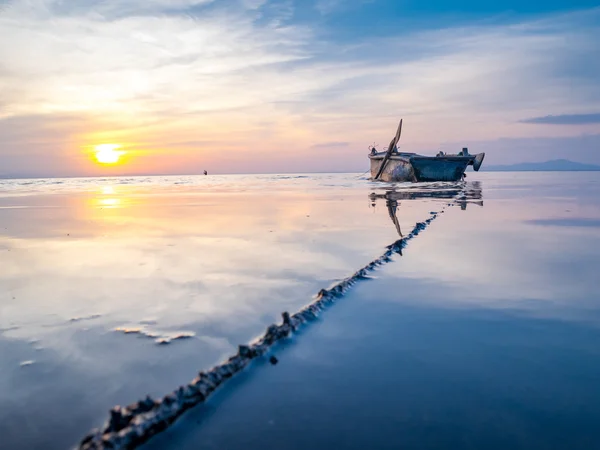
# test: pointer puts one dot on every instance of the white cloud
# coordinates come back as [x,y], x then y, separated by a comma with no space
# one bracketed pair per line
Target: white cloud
[79,63]
[246,74]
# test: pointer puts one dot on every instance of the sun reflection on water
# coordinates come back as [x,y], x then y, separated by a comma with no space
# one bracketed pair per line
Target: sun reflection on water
[108,198]
[109,202]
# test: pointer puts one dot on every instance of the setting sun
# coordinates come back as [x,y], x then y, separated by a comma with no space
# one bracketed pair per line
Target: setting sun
[108,154]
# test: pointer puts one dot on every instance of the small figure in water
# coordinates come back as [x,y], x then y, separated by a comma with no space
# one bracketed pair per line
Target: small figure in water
[205,172]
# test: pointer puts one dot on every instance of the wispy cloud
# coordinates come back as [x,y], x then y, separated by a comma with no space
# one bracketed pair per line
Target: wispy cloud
[565,119]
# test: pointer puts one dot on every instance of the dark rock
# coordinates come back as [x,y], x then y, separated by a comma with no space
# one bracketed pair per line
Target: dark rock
[118,420]
[215,377]
[142,406]
[245,352]
[147,404]
[180,393]
[107,443]
[271,334]
[226,371]
[169,399]
[273,360]
[337,290]
[87,439]
[207,381]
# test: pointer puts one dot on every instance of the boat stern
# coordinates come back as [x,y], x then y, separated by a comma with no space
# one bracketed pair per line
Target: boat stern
[477,161]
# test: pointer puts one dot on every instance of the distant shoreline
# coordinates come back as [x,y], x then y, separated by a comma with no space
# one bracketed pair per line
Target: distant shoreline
[538,170]
[555,165]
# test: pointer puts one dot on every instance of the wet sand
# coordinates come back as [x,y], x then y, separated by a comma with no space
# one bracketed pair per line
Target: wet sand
[214,265]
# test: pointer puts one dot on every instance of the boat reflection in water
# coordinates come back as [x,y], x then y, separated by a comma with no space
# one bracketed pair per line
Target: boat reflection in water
[461,193]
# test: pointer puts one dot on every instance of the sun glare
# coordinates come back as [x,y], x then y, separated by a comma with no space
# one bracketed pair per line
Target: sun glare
[108,153]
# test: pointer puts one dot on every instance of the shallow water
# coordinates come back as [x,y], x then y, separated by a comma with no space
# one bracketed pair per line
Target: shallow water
[115,288]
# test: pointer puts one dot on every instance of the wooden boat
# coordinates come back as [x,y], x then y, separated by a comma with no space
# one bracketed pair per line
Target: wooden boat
[392,165]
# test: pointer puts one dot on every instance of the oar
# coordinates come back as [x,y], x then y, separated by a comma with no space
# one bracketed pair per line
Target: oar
[392,205]
[398,132]
[390,150]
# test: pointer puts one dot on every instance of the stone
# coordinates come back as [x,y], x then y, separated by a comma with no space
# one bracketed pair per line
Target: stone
[119,419]
[245,352]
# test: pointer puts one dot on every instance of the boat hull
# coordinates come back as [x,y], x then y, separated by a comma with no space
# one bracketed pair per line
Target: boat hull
[417,168]
[439,169]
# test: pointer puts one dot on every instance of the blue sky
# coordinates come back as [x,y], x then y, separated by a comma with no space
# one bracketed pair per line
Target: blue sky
[289,85]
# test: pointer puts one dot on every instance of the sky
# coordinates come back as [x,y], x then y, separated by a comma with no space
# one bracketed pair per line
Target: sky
[262,86]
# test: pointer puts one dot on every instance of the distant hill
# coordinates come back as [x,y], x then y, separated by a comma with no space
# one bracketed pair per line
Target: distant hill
[556,165]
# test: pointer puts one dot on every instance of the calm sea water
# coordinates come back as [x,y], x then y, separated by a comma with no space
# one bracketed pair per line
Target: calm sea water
[482,335]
